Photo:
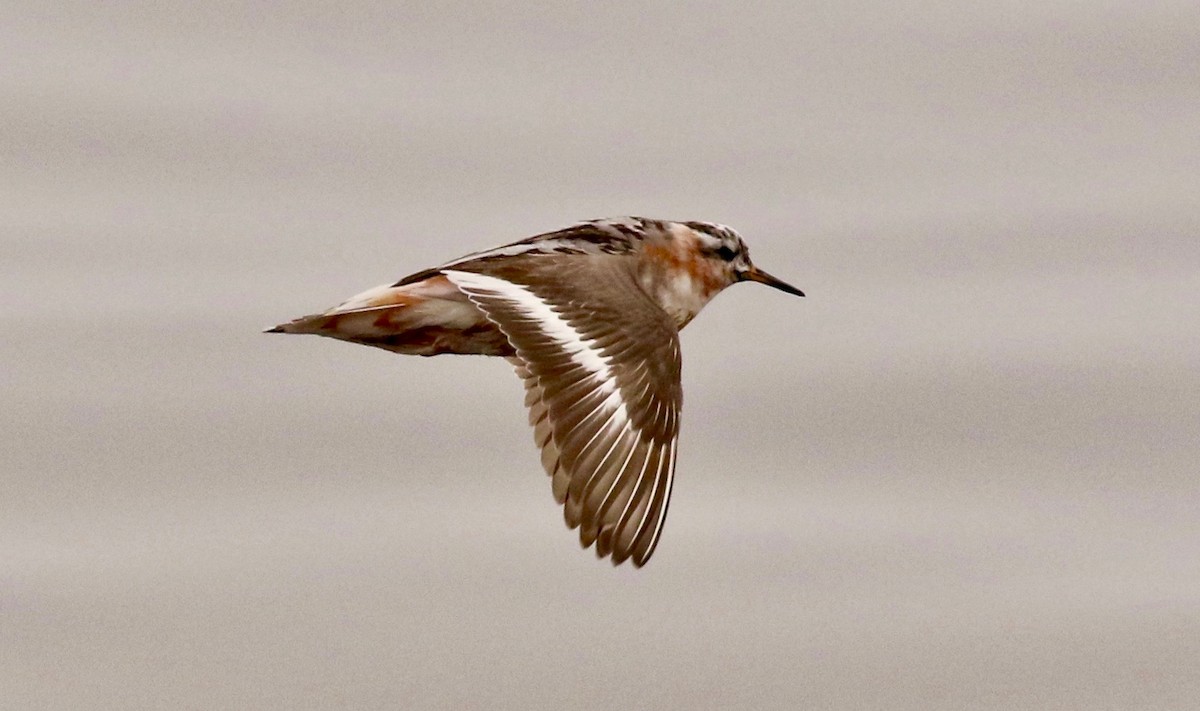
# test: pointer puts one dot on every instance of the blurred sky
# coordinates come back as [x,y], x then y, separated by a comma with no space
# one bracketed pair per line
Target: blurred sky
[962,474]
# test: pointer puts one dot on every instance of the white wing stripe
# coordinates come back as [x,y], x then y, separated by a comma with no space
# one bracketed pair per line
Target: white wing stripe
[583,351]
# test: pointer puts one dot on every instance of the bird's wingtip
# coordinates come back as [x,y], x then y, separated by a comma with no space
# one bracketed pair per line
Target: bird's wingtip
[274,329]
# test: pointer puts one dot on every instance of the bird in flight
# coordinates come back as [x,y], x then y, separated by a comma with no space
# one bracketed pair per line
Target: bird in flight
[590,317]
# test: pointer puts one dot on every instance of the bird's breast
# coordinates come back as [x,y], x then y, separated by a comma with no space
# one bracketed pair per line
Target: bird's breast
[678,283]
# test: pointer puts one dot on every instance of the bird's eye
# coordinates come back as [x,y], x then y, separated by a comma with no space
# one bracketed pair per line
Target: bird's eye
[726,252]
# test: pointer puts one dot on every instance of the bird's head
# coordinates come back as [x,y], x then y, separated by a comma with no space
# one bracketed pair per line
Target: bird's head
[723,250]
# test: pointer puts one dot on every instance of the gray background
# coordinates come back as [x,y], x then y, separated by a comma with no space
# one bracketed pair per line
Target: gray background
[960,475]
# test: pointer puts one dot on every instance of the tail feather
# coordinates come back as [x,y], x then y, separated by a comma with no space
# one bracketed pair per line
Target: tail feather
[321,324]
[422,318]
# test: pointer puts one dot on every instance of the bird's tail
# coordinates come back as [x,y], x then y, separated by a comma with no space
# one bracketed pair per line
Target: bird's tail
[422,318]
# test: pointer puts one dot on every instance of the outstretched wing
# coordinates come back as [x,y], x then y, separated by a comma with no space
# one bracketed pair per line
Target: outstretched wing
[601,367]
